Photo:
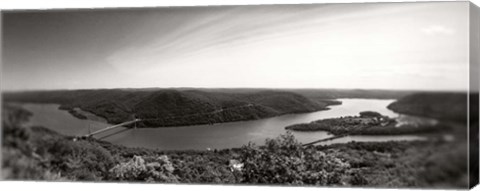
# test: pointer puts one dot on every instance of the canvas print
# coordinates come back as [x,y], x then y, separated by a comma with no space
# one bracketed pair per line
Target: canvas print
[376,95]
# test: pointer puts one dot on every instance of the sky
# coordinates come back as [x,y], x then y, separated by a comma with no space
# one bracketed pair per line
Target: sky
[412,46]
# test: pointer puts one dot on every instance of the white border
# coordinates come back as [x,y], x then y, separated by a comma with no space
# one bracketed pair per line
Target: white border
[75,4]
[55,4]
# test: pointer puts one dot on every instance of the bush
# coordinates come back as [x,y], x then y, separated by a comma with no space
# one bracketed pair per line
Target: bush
[80,160]
[284,161]
[136,169]
[206,168]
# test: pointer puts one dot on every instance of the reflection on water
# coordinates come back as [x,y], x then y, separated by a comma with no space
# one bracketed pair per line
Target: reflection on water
[223,135]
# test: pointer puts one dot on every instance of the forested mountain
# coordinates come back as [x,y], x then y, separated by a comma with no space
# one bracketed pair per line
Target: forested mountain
[444,106]
[174,107]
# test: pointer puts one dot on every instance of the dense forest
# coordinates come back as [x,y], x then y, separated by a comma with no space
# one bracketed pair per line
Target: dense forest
[174,107]
[444,106]
[440,161]
[187,106]
[37,153]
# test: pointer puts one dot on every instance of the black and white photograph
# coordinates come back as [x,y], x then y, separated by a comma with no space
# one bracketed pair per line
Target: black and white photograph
[355,95]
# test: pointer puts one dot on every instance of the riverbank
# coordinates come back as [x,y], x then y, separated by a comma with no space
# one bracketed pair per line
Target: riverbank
[366,123]
[175,107]
[219,136]
[37,153]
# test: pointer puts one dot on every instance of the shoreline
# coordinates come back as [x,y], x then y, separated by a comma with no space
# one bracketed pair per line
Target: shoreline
[104,120]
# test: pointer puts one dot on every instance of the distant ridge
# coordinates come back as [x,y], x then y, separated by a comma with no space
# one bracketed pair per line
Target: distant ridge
[444,106]
[176,107]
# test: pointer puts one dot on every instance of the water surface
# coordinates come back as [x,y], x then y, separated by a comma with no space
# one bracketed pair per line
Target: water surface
[222,135]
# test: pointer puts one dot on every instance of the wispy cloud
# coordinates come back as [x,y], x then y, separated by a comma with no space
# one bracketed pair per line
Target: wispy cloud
[294,46]
[378,45]
[239,26]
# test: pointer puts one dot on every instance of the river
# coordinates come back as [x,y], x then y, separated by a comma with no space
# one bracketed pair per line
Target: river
[217,136]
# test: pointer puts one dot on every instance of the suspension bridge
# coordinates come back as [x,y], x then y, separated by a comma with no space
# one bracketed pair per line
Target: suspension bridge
[113,127]
[135,121]
[212,112]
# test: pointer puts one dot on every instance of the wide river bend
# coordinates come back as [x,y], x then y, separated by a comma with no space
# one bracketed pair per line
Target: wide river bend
[217,136]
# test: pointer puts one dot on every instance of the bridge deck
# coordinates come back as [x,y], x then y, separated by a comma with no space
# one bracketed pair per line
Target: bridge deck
[112,127]
[323,140]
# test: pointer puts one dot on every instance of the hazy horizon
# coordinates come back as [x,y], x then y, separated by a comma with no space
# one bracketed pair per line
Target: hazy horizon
[384,46]
[230,88]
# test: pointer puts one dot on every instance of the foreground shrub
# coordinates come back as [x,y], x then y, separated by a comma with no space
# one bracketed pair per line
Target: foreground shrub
[136,169]
[206,167]
[19,161]
[284,161]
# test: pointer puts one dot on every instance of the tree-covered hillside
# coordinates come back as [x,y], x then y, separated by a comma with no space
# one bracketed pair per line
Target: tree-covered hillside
[175,107]
[37,153]
[443,106]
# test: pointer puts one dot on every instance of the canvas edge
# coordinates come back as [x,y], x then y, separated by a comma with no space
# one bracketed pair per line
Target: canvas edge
[473,96]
